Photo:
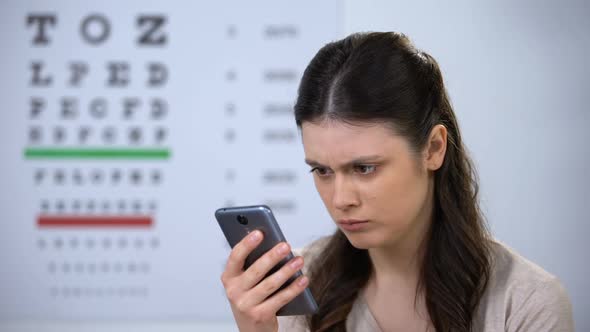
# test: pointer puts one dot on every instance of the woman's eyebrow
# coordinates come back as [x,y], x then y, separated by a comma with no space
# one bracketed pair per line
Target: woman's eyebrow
[355,161]
[312,163]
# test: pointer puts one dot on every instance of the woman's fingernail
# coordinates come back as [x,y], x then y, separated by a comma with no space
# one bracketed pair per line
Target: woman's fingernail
[283,248]
[255,236]
[296,264]
[303,281]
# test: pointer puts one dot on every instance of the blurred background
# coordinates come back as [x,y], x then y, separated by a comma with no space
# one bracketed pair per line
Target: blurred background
[124,125]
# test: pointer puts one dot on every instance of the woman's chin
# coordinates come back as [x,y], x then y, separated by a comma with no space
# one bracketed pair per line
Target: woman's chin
[362,241]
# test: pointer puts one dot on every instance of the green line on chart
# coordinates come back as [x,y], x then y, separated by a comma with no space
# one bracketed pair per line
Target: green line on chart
[93,153]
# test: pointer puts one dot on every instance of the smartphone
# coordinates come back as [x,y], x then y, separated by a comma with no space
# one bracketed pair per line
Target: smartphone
[237,222]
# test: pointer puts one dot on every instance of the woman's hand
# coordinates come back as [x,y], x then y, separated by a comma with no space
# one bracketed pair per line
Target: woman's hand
[248,293]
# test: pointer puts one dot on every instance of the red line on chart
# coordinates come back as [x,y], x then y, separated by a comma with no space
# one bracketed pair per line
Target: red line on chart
[46,221]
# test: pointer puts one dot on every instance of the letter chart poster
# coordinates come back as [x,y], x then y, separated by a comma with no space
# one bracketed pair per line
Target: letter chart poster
[124,125]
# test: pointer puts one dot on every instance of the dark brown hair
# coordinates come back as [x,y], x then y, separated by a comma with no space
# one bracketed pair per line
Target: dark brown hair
[381,77]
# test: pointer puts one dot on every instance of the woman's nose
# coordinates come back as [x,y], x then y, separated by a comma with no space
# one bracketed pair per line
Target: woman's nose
[345,194]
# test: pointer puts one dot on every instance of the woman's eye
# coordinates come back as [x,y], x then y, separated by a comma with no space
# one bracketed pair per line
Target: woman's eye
[365,169]
[320,171]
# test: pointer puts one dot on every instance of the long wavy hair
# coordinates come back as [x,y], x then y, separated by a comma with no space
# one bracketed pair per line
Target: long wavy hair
[380,77]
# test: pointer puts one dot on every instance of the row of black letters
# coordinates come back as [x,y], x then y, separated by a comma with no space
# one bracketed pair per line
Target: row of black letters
[118,74]
[137,176]
[76,242]
[136,135]
[85,134]
[98,108]
[104,267]
[97,177]
[95,29]
[78,206]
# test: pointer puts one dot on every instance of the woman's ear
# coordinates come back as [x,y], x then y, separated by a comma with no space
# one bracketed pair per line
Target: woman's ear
[436,147]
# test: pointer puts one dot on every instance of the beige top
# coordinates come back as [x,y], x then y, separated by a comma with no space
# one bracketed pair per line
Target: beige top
[520,297]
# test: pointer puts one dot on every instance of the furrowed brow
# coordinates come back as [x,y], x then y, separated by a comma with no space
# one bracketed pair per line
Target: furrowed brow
[356,161]
[313,163]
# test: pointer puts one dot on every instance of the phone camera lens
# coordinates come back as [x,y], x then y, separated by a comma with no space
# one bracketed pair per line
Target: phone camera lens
[242,220]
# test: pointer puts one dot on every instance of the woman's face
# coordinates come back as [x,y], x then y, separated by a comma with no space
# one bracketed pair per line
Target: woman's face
[375,188]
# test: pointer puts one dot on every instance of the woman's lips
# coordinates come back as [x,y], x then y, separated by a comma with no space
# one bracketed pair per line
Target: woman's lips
[352,224]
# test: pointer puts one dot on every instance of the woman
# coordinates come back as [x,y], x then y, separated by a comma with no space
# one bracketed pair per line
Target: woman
[411,252]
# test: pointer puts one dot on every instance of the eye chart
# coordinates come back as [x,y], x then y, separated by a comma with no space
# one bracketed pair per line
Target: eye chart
[124,126]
